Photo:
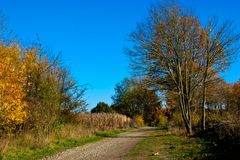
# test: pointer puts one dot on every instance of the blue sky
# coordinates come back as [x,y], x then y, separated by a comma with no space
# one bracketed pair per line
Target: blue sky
[93,33]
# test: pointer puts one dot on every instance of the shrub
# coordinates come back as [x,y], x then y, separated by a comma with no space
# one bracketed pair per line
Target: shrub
[163,121]
[196,120]
[138,120]
[224,129]
[177,119]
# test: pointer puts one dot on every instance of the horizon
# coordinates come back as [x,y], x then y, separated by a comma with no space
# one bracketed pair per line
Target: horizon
[92,35]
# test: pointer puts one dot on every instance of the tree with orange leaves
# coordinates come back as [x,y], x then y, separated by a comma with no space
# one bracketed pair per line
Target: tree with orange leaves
[233,100]
[12,81]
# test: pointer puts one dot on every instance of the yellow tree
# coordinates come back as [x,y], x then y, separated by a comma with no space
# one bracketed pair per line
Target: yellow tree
[12,81]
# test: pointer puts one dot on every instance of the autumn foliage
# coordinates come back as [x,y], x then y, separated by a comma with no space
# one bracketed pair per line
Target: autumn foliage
[12,81]
[36,92]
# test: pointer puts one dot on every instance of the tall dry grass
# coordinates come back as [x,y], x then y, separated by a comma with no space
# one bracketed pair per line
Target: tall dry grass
[85,125]
[103,121]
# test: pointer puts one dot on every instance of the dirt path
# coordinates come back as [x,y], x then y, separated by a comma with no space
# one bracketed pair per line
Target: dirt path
[113,148]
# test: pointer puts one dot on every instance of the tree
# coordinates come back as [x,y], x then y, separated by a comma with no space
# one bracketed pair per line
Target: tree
[6,36]
[36,92]
[133,98]
[218,50]
[233,98]
[71,95]
[216,98]
[101,108]
[171,49]
[51,92]
[12,80]
[41,89]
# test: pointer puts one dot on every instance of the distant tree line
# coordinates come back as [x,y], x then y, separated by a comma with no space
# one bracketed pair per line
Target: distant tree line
[132,98]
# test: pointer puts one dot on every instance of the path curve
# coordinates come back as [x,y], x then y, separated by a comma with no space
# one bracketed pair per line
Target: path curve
[114,148]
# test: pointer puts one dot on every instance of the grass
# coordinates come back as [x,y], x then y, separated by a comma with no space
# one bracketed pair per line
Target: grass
[109,133]
[58,146]
[169,146]
[42,141]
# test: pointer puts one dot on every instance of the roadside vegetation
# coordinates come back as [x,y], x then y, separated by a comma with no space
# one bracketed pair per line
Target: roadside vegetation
[42,108]
[89,128]
[27,151]
[181,57]
[166,145]
[176,62]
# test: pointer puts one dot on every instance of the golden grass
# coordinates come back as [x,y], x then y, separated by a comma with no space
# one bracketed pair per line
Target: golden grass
[103,121]
[86,125]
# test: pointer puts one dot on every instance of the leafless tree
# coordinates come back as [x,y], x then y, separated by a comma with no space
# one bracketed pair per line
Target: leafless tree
[172,49]
[219,48]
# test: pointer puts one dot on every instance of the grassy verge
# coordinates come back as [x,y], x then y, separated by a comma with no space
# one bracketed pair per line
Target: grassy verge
[168,146]
[58,146]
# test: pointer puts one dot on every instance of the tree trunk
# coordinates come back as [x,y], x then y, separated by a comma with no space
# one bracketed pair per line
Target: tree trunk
[186,114]
[203,106]
[204,93]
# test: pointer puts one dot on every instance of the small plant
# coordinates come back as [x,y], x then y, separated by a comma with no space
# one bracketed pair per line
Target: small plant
[177,119]
[163,121]
[138,120]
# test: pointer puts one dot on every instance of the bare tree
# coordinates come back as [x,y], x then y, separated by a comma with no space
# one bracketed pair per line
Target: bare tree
[172,49]
[218,50]
[7,36]
[71,94]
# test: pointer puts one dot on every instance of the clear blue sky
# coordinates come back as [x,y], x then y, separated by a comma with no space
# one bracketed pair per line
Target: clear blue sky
[93,33]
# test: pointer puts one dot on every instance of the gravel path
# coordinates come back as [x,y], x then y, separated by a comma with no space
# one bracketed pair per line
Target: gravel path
[113,148]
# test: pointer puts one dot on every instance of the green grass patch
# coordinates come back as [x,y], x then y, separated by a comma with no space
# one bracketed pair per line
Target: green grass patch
[58,146]
[108,133]
[168,146]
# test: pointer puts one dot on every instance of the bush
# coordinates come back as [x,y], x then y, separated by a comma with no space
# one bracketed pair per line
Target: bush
[224,129]
[177,119]
[163,121]
[138,121]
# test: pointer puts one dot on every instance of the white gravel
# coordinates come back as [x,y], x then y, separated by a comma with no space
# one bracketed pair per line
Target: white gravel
[113,148]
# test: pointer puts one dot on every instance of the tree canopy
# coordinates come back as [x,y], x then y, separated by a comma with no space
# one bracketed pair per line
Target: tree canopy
[173,50]
[101,107]
[134,98]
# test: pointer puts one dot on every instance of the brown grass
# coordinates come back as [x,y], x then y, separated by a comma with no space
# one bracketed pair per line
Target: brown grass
[4,141]
[85,125]
[103,121]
